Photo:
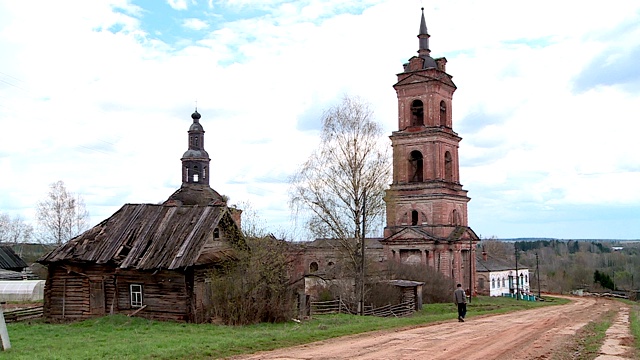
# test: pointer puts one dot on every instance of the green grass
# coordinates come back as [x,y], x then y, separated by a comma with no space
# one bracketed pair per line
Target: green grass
[588,340]
[120,337]
[634,320]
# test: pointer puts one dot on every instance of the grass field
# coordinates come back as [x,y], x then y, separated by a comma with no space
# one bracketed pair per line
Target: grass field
[121,337]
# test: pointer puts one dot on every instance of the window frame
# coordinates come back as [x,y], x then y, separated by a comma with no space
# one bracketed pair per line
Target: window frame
[135,296]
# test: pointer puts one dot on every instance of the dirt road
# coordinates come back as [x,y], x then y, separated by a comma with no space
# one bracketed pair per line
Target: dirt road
[530,334]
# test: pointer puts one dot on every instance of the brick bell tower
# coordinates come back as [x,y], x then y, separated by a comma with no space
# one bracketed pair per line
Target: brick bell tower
[426,205]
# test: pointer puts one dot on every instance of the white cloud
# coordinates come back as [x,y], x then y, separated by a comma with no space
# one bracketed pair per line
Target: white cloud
[178,4]
[96,101]
[195,24]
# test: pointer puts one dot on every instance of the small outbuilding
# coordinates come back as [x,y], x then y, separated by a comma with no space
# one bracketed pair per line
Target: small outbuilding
[9,260]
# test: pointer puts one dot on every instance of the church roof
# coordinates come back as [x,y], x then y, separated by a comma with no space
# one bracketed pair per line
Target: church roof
[370,243]
[195,194]
[148,236]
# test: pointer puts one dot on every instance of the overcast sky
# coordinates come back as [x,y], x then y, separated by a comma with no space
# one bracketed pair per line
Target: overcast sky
[99,94]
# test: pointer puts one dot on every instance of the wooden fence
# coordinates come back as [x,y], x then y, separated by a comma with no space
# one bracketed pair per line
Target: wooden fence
[340,307]
[23,314]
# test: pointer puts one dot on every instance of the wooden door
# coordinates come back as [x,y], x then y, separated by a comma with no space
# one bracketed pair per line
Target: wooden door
[96,297]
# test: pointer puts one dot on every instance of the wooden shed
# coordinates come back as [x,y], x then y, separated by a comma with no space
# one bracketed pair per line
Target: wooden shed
[152,260]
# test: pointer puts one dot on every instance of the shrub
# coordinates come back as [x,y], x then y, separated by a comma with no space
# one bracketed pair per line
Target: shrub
[255,287]
[437,287]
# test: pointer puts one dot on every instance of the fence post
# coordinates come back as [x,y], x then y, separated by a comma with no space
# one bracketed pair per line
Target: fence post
[339,304]
[4,334]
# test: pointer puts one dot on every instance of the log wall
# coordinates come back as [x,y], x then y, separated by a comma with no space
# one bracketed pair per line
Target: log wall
[166,294]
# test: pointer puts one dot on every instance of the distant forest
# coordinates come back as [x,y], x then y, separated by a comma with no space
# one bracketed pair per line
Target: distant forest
[566,265]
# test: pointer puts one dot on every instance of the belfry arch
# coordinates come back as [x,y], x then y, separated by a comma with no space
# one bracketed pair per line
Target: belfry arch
[416,166]
[417,113]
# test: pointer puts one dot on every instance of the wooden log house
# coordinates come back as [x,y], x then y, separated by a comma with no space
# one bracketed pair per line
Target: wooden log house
[151,260]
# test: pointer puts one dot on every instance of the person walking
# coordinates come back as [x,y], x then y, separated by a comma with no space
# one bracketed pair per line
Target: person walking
[460,299]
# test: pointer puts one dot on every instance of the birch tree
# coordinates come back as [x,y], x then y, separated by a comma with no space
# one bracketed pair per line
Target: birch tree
[14,230]
[61,215]
[343,182]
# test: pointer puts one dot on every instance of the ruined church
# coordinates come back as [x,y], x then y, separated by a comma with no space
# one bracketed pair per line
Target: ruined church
[426,206]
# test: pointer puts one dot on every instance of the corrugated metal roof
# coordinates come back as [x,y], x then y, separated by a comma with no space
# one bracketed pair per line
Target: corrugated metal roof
[144,236]
[10,260]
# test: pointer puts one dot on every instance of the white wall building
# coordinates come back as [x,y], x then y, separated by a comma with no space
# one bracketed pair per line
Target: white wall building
[498,276]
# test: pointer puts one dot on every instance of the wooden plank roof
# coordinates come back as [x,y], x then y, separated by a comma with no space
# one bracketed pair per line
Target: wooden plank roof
[144,236]
[10,260]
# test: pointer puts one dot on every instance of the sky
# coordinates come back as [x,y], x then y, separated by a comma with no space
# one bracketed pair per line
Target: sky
[99,94]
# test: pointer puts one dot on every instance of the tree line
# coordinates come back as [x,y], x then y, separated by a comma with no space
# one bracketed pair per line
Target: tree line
[60,216]
[566,265]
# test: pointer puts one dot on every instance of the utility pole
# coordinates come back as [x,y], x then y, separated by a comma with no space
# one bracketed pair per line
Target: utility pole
[515,245]
[471,259]
[364,208]
[538,274]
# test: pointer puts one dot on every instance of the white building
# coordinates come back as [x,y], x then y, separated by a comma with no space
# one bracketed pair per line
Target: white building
[498,276]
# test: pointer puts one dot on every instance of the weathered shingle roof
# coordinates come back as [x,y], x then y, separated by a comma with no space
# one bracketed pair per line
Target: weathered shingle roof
[144,236]
[10,260]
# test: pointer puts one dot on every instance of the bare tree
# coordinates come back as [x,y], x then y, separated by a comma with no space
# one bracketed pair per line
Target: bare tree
[342,183]
[61,215]
[14,230]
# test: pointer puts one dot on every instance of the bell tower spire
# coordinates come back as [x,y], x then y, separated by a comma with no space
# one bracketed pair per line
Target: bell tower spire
[195,189]
[195,161]
[426,204]
[424,36]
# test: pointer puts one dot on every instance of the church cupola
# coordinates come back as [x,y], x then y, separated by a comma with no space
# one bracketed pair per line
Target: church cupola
[195,161]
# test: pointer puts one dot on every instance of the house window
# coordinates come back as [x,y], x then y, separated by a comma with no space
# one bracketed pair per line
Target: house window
[481,283]
[216,233]
[504,284]
[493,283]
[136,295]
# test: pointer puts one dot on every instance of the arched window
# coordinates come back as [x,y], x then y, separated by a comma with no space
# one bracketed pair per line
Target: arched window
[414,217]
[196,173]
[417,113]
[448,166]
[443,113]
[415,160]
[493,283]
[504,283]
[313,267]
[481,283]
[455,217]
